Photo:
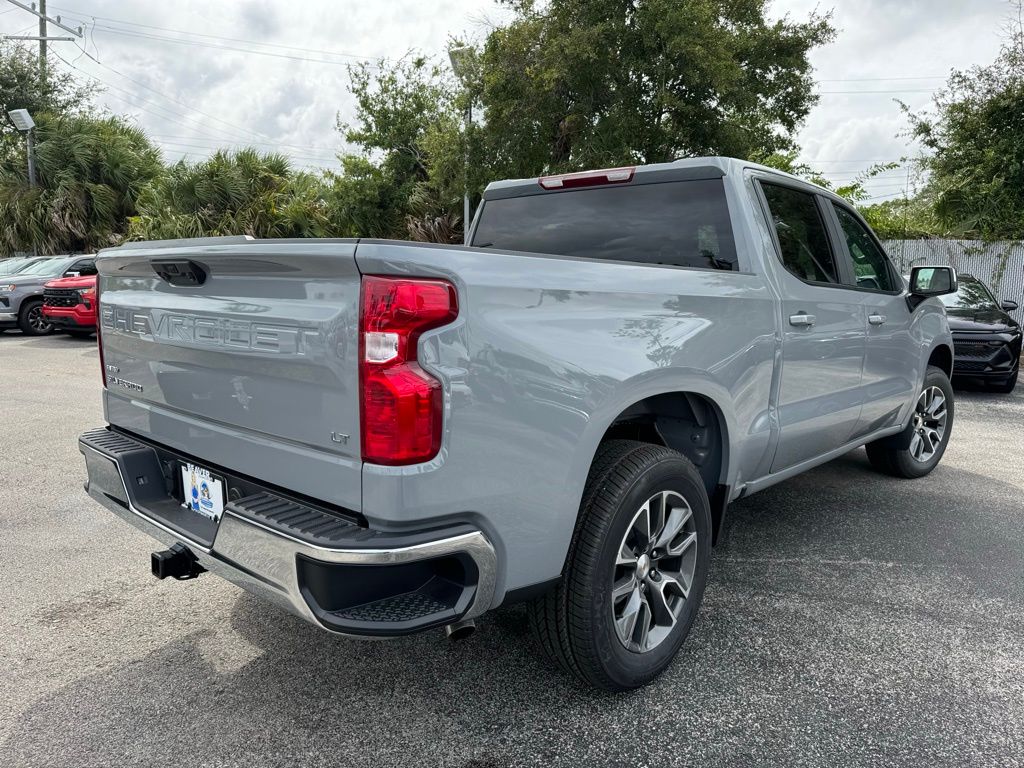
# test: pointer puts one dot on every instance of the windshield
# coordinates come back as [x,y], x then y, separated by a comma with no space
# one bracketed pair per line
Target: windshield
[972,294]
[48,267]
[11,266]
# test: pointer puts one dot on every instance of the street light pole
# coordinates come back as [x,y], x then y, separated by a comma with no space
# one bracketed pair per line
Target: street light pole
[23,122]
[465,178]
[31,156]
[460,58]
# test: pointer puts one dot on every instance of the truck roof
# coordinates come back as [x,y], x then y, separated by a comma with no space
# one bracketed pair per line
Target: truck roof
[678,170]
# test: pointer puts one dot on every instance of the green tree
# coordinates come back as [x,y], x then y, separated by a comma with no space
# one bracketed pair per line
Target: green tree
[567,85]
[21,88]
[232,193]
[90,173]
[574,84]
[975,136]
[394,184]
[910,218]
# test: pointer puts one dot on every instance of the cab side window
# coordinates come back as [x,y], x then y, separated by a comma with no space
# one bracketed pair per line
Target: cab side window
[803,239]
[870,264]
[84,268]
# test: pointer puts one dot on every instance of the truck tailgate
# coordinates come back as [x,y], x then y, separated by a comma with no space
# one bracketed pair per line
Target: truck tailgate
[253,366]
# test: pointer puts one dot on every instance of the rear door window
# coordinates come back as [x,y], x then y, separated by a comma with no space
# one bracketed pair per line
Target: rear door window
[680,223]
[803,239]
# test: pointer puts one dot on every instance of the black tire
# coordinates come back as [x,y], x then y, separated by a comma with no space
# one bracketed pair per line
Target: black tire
[1007,386]
[31,309]
[894,456]
[573,623]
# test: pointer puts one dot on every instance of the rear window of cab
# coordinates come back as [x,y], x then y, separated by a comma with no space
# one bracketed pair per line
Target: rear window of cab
[678,223]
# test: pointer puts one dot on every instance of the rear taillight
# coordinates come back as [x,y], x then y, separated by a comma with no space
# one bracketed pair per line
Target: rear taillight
[589,178]
[99,332]
[401,404]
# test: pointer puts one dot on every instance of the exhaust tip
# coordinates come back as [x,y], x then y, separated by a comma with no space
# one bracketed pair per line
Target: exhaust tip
[460,630]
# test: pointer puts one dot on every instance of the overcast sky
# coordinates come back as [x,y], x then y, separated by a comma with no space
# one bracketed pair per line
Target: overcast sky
[166,64]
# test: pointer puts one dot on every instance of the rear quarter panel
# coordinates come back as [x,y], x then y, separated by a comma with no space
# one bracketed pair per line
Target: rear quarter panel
[545,353]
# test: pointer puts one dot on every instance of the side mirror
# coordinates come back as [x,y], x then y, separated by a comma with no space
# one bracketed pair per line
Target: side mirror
[932,281]
[1009,306]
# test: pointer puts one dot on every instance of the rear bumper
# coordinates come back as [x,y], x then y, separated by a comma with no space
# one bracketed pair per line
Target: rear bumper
[328,570]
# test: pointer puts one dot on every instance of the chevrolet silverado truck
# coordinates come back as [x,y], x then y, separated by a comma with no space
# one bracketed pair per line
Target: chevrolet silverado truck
[69,304]
[21,294]
[384,437]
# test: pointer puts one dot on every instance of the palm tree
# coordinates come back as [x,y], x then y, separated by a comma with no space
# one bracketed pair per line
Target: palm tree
[90,174]
[232,193]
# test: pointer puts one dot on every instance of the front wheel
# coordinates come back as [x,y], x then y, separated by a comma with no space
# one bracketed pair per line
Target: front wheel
[32,321]
[917,450]
[636,571]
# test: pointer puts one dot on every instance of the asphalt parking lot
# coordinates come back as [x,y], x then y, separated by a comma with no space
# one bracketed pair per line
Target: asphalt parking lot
[850,619]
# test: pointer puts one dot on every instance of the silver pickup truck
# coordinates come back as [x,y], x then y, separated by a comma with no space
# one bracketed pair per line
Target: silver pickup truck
[384,437]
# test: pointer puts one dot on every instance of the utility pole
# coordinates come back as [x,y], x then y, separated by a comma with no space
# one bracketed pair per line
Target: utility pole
[43,32]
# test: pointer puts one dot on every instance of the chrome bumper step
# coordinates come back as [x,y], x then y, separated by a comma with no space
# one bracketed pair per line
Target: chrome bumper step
[339,575]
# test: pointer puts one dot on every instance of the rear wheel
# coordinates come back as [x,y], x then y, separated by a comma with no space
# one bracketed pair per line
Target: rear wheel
[31,319]
[917,450]
[636,570]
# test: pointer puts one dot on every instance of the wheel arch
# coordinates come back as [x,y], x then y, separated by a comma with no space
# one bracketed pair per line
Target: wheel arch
[941,356]
[693,419]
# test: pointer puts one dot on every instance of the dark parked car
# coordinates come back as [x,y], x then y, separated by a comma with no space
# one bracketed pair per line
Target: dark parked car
[986,339]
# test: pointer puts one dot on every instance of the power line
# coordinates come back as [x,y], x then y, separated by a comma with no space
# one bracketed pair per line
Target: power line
[183,104]
[222,141]
[170,115]
[869,160]
[228,146]
[228,39]
[326,150]
[196,43]
[877,79]
[899,90]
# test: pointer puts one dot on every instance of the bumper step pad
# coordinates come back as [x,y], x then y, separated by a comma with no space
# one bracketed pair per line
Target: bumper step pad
[302,522]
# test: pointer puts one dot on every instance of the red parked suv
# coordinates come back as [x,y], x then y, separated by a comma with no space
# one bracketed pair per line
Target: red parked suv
[69,303]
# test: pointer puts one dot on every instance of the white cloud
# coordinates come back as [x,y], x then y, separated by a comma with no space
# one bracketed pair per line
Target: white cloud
[192,98]
[877,42]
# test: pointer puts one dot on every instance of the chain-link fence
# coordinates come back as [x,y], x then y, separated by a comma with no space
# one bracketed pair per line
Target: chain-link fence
[999,264]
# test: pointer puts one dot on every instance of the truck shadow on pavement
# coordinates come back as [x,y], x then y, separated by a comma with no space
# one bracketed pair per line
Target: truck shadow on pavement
[849,618]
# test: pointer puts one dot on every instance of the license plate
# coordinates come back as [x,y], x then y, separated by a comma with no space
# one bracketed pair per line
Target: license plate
[204,493]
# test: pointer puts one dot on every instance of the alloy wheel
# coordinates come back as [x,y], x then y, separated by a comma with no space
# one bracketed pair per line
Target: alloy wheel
[37,321]
[929,424]
[654,571]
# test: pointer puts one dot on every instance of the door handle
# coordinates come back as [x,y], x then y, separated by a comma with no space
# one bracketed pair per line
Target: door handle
[876,319]
[801,320]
